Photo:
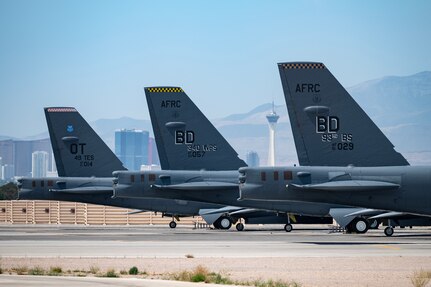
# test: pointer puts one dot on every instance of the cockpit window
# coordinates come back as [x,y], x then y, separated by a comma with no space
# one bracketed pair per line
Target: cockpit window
[132,178]
[263,176]
[275,175]
[142,178]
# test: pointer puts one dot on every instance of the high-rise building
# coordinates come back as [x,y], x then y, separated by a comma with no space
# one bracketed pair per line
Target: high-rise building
[17,154]
[39,163]
[8,171]
[21,154]
[6,151]
[272,118]
[131,147]
[252,159]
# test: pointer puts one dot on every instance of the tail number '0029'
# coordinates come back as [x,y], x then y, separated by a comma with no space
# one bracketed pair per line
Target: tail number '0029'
[342,146]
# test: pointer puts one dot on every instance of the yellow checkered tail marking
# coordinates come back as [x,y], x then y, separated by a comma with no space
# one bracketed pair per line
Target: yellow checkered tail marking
[165,90]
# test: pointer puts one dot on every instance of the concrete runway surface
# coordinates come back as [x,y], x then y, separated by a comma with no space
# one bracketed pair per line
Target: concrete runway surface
[310,255]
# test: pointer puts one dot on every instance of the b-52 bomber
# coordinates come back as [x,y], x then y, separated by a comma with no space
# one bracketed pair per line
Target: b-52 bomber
[344,157]
[185,136]
[85,165]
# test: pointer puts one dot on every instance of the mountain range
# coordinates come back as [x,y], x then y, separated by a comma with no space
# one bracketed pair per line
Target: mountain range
[400,106]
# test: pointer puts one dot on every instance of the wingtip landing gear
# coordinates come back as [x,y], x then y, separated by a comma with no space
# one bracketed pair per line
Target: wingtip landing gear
[288,227]
[172,224]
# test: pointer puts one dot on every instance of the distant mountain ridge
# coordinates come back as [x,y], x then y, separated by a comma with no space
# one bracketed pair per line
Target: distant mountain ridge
[400,106]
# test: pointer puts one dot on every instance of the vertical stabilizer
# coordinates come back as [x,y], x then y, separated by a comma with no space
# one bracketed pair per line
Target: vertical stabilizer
[329,127]
[78,150]
[185,138]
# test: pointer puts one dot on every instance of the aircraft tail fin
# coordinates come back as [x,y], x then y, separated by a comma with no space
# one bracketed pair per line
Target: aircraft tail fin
[329,127]
[185,138]
[78,150]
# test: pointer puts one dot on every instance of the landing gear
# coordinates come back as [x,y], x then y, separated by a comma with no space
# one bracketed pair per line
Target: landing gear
[172,224]
[224,222]
[216,224]
[359,225]
[239,226]
[288,227]
[389,231]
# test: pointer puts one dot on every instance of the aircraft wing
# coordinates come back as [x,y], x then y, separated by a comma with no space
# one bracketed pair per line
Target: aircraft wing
[202,185]
[86,190]
[349,185]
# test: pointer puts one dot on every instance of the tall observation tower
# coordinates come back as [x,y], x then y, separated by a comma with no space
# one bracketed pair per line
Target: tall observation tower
[272,121]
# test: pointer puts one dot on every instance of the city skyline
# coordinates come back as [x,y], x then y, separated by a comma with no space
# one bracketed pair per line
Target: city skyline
[34,158]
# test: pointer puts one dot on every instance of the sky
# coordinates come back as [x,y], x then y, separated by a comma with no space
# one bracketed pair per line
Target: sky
[98,55]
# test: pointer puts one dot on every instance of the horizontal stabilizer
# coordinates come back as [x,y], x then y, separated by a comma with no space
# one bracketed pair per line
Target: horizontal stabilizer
[364,212]
[226,209]
[86,190]
[349,185]
[136,211]
[244,211]
[203,185]
[389,215]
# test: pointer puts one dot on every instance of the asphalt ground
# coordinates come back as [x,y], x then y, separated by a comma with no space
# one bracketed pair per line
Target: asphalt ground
[312,255]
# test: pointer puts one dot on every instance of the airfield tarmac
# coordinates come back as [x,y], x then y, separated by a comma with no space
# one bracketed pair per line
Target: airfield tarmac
[310,255]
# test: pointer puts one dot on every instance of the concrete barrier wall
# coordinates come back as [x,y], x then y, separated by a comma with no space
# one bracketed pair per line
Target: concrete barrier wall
[58,212]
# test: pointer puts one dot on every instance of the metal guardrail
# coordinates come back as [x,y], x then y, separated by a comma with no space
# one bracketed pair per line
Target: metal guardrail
[58,212]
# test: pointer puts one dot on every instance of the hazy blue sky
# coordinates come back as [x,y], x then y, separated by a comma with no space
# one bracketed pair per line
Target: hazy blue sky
[98,55]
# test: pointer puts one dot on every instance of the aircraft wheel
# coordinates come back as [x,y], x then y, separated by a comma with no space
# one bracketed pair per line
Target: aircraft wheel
[288,227]
[360,225]
[389,231]
[225,222]
[216,224]
[374,224]
[239,227]
[172,224]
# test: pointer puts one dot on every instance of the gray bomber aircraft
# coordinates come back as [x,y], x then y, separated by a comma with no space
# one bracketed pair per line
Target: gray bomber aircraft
[309,149]
[345,158]
[85,165]
[186,137]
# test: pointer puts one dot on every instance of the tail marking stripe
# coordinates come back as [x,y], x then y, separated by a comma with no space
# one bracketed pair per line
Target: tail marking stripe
[62,110]
[165,90]
[303,66]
